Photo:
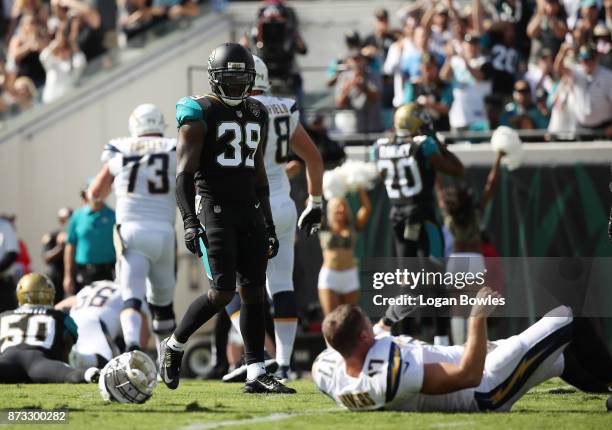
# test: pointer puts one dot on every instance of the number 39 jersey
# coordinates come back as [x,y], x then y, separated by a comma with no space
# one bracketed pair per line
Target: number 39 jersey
[144,169]
[404,163]
[38,327]
[284,118]
[233,134]
[102,300]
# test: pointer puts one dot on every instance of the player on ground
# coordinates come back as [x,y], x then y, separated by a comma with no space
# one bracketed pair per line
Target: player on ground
[96,310]
[141,169]
[368,373]
[284,133]
[219,152]
[35,339]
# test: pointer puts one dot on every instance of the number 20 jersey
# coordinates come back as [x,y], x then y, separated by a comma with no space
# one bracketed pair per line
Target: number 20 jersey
[233,134]
[144,169]
[284,118]
[37,327]
[404,163]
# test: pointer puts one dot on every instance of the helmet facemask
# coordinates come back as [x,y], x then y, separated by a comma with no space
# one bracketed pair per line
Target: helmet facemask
[232,86]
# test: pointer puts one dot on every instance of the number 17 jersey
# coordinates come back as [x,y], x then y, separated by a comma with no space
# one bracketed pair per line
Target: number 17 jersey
[144,169]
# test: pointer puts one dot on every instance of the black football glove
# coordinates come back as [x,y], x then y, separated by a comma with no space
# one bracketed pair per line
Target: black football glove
[273,243]
[310,219]
[193,233]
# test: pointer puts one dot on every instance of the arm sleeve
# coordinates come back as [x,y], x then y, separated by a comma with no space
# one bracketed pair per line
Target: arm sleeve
[185,197]
[188,110]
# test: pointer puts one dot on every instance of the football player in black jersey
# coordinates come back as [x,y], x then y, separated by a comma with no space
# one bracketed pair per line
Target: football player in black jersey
[35,339]
[408,161]
[219,156]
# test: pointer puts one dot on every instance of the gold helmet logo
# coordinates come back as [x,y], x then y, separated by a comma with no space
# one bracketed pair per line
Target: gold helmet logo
[35,289]
[409,119]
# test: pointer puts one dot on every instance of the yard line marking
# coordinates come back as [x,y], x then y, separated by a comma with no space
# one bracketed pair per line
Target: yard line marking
[279,416]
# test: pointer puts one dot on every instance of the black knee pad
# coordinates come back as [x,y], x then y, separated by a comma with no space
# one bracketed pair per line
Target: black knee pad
[234,305]
[132,303]
[220,298]
[163,318]
[284,305]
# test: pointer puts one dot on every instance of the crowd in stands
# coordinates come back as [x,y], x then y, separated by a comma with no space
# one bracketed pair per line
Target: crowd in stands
[475,65]
[46,45]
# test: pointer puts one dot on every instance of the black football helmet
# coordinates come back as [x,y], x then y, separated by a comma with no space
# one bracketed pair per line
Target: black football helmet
[231,72]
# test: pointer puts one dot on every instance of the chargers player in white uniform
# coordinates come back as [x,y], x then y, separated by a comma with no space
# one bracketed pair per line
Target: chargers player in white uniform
[367,373]
[95,309]
[142,168]
[284,133]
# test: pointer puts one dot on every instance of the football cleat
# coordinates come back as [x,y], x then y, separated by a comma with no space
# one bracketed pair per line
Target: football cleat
[283,374]
[239,374]
[266,383]
[169,364]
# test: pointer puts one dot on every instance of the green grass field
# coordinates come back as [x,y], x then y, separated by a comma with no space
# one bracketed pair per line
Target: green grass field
[208,405]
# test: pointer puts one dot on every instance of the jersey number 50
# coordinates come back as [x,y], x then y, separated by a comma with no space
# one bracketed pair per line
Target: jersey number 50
[38,331]
[248,136]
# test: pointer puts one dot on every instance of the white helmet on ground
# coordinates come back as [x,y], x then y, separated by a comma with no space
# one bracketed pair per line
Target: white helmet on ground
[262,83]
[146,119]
[128,378]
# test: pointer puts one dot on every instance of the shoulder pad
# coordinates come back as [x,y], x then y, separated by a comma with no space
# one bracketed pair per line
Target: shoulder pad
[191,109]
[291,104]
[112,149]
[70,325]
[257,108]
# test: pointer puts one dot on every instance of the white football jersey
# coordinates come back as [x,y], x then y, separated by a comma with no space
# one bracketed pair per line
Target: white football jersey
[391,378]
[284,118]
[144,169]
[101,299]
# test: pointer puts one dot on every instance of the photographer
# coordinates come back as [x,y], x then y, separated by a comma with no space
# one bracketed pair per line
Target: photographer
[276,40]
[359,90]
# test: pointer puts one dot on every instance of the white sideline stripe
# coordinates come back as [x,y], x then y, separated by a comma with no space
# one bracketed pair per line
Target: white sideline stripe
[255,420]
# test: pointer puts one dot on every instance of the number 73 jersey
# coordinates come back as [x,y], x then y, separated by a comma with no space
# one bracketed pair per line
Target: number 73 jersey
[144,169]
[404,164]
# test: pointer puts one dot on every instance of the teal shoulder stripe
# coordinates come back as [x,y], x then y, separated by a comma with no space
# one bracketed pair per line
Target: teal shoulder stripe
[188,110]
[71,327]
